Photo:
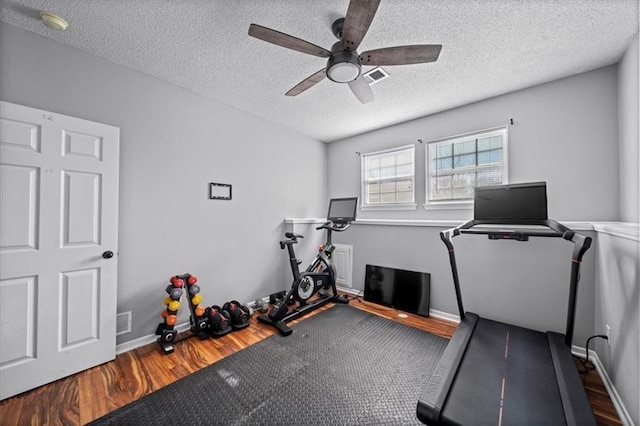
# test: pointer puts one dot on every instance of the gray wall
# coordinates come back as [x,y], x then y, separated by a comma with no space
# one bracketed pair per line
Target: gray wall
[628,113]
[617,300]
[617,294]
[173,143]
[521,283]
[565,133]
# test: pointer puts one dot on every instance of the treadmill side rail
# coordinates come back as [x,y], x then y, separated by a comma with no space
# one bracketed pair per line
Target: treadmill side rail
[575,402]
[435,394]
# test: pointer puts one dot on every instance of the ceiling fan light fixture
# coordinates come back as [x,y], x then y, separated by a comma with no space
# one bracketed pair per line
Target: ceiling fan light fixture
[54,21]
[343,67]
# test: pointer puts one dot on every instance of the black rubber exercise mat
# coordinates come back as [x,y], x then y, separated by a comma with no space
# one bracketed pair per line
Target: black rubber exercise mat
[342,366]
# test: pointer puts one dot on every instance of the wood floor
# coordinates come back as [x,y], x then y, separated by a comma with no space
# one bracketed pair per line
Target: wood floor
[88,395]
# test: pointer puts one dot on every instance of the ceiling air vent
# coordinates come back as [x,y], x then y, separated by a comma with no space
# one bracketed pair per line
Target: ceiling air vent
[375,75]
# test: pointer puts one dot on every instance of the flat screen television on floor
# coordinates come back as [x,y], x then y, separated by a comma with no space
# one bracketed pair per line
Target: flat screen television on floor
[404,290]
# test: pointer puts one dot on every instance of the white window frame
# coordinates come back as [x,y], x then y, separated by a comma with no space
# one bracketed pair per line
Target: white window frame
[365,205]
[464,203]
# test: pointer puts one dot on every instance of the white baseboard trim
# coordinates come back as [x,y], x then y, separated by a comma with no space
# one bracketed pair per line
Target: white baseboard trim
[145,340]
[349,290]
[623,413]
[444,315]
[432,312]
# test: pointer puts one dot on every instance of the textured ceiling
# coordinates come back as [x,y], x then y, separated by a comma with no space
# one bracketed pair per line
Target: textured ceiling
[490,47]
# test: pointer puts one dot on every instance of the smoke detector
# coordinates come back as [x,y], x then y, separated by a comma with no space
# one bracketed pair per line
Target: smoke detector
[375,75]
[53,21]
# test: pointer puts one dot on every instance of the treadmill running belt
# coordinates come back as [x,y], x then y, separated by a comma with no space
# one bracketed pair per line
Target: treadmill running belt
[506,377]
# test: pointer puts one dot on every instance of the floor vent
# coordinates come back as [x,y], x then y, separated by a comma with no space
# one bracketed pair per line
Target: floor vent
[375,75]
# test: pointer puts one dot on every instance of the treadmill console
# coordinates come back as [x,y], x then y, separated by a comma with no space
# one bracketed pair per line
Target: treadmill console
[511,203]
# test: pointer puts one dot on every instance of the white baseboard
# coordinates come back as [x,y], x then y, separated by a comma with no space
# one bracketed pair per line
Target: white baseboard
[349,290]
[444,315]
[145,340]
[623,413]
[432,312]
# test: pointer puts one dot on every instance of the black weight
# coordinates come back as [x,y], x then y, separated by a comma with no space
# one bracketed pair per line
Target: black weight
[239,313]
[217,320]
[174,292]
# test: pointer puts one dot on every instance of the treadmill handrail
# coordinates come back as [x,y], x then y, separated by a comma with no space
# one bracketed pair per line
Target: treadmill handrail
[554,229]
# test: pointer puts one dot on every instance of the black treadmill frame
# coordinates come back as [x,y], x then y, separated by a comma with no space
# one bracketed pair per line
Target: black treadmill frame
[574,400]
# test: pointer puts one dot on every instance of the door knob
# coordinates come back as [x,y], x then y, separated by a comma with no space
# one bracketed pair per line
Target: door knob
[107,254]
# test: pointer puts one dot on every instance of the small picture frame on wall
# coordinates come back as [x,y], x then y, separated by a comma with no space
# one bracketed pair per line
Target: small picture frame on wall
[219,191]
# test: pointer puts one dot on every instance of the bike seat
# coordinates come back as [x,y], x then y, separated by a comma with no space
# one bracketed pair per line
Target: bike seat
[293,236]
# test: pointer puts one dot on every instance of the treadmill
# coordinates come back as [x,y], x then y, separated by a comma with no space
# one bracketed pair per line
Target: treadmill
[493,373]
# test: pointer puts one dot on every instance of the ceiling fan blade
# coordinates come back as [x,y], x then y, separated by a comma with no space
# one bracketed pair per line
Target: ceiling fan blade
[361,89]
[359,16]
[308,82]
[286,40]
[402,55]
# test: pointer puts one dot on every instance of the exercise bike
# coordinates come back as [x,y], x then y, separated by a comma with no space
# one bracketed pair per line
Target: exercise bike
[319,279]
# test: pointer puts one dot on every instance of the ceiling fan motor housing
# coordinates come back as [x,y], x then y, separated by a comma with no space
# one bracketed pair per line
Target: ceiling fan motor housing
[343,65]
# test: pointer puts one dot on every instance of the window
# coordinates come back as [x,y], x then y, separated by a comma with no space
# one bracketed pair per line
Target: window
[455,166]
[388,178]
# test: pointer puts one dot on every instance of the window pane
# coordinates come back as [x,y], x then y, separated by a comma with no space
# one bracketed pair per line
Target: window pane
[388,197]
[388,161]
[489,177]
[404,170]
[445,150]
[388,172]
[388,177]
[465,160]
[404,186]
[404,158]
[441,187]
[443,163]
[405,197]
[488,143]
[458,165]
[388,187]
[465,147]
[463,180]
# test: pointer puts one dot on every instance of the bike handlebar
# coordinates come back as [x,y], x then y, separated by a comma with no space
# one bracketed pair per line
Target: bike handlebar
[334,227]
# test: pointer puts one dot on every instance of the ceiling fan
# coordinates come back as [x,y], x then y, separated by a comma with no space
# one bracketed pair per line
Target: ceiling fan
[344,64]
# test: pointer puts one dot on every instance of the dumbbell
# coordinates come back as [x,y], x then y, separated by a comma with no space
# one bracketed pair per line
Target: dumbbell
[218,320]
[238,313]
[173,292]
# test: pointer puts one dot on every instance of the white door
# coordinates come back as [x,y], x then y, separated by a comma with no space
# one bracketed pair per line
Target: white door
[58,223]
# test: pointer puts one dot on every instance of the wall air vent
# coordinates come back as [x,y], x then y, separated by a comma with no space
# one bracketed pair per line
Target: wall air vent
[375,75]
[123,323]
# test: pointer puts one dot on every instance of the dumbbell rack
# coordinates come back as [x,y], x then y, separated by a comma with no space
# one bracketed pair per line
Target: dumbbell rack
[198,319]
